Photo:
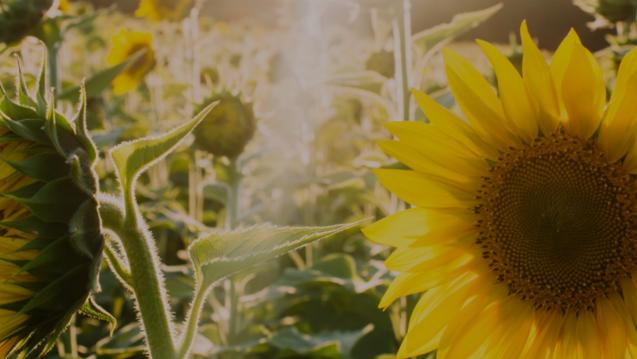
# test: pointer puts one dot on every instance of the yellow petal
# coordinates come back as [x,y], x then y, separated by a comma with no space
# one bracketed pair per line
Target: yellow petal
[426,259]
[456,129]
[618,126]
[560,61]
[612,329]
[399,229]
[411,283]
[515,101]
[539,82]
[423,191]
[457,169]
[434,310]
[583,92]
[587,333]
[477,100]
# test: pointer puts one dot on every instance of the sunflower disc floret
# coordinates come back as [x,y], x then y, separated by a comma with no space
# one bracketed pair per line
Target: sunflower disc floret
[50,229]
[523,232]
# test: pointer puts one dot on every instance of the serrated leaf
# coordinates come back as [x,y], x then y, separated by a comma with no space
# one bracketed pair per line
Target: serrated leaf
[459,24]
[132,158]
[220,255]
[101,80]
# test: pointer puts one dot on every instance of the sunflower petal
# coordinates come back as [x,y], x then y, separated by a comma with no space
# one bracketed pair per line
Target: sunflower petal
[515,101]
[619,119]
[421,190]
[583,92]
[400,228]
[539,82]
[477,100]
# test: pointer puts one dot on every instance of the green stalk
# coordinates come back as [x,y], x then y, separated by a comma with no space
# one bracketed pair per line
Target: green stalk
[145,275]
[192,323]
[402,55]
[52,50]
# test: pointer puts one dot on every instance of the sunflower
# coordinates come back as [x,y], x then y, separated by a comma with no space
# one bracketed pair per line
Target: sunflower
[172,10]
[523,230]
[228,128]
[124,45]
[50,236]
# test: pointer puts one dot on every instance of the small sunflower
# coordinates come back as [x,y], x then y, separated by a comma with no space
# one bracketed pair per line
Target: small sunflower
[172,10]
[124,45]
[50,229]
[523,231]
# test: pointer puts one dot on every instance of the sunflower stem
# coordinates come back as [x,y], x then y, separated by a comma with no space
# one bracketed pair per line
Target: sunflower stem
[192,321]
[402,55]
[116,264]
[146,278]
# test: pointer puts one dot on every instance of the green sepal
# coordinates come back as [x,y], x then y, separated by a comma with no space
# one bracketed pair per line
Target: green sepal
[25,192]
[88,242]
[82,128]
[48,298]
[47,263]
[28,129]
[21,86]
[42,84]
[56,201]
[91,309]
[59,130]
[36,226]
[42,166]
[15,110]
[82,174]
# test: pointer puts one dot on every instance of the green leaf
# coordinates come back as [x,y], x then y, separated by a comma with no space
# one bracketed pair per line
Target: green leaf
[297,343]
[132,158]
[101,80]
[222,254]
[459,24]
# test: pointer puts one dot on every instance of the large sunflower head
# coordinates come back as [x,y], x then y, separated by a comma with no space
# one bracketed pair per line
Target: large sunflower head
[172,10]
[20,17]
[523,231]
[50,236]
[125,44]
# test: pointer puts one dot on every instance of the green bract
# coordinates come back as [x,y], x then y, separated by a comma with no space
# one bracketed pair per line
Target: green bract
[19,17]
[50,229]
[228,128]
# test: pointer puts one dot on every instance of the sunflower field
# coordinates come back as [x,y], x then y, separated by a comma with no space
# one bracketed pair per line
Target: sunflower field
[320,179]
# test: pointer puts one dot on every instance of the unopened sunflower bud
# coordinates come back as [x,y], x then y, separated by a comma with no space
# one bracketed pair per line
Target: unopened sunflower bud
[50,229]
[20,17]
[228,128]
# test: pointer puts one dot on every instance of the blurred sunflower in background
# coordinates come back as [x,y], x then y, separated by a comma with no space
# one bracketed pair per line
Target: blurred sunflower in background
[50,230]
[523,233]
[125,44]
[171,10]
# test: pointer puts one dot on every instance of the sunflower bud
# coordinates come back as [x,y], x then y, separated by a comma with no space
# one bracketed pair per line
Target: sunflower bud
[228,128]
[50,229]
[19,17]
[171,10]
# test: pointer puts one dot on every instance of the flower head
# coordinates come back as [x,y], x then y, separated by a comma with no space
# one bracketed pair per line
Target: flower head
[172,10]
[523,231]
[50,229]
[124,45]
[228,128]
[19,17]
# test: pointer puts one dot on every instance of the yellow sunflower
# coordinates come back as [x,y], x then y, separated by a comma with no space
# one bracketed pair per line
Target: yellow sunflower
[523,231]
[172,10]
[124,45]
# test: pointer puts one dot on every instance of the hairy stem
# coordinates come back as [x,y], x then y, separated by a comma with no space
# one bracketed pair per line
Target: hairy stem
[192,323]
[145,275]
